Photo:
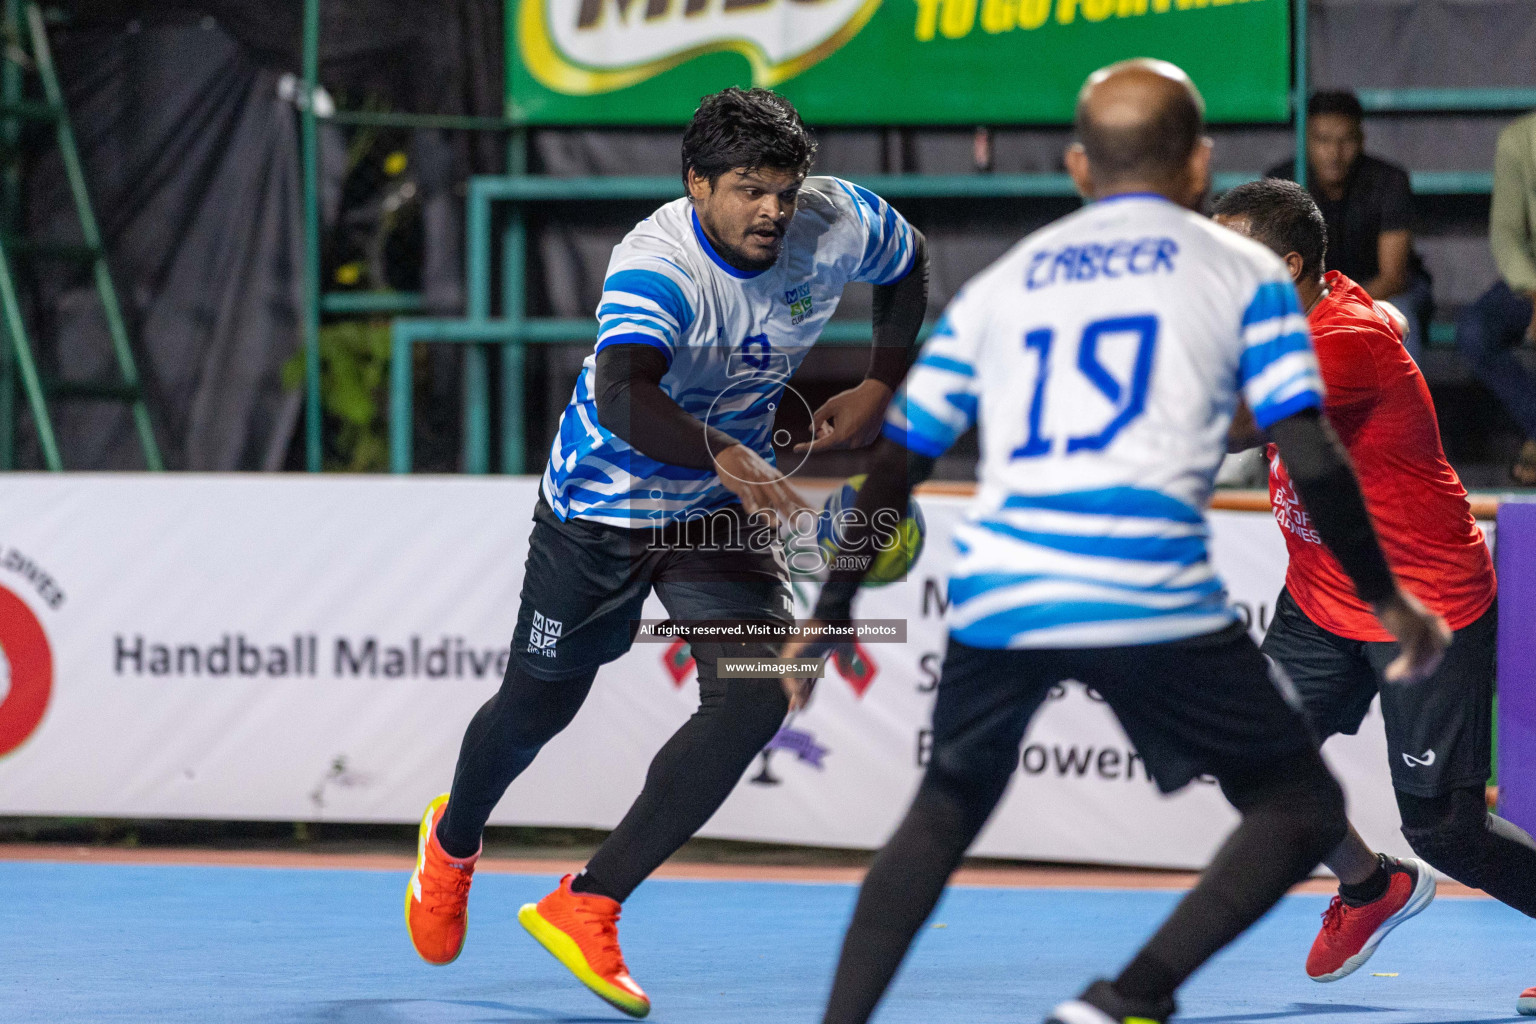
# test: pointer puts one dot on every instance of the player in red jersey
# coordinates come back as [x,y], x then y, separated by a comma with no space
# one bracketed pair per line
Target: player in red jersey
[1326,638]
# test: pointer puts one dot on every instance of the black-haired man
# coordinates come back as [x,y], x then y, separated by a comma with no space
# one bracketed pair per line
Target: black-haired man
[662,476]
[1368,206]
[1330,644]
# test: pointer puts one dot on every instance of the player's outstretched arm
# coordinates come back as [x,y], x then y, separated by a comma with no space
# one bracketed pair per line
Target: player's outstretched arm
[851,419]
[631,404]
[893,473]
[1243,433]
[1325,480]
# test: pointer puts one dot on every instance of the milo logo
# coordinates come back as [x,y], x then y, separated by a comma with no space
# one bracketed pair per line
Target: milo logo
[584,47]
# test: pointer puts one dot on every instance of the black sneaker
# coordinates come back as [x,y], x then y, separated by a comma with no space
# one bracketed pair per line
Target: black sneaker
[1101,1004]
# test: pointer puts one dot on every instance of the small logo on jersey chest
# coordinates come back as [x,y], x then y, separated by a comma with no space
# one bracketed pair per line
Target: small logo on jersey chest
[799,300]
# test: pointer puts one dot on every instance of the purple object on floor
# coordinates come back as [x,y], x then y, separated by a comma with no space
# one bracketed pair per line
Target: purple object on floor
[1516,547]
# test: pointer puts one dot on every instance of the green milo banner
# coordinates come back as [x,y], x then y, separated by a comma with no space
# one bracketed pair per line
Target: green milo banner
[877,62]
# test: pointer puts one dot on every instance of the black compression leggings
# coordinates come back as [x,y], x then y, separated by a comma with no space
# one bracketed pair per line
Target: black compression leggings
[688,780]
[1456,834]
[1293,814]
[502,740]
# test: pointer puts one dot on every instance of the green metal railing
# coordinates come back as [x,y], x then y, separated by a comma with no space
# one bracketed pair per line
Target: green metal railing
[316,300]
[1299,81]
[309,153]
[10,218]
[27,46]
[1445,101]
[511,330]
[353,303]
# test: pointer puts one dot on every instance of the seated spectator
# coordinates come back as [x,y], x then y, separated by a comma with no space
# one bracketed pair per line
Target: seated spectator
[1368,205]
[1505,316]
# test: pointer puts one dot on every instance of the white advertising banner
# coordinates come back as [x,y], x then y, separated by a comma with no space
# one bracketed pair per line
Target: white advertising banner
[311,648]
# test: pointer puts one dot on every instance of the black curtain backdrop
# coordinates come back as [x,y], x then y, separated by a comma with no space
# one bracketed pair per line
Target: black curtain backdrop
[190,145]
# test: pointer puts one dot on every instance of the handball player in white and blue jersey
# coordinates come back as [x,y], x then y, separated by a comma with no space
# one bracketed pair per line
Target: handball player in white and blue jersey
[660,477]
[1102,359]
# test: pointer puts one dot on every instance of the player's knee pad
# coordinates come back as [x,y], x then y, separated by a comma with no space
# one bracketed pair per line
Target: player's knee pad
[1322,804]
[752,707]
[1450,832]
[974,774]
[758,706]
[534,708]
[1297,796]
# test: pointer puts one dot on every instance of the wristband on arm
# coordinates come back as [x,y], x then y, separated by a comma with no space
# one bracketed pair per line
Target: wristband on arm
[898,317]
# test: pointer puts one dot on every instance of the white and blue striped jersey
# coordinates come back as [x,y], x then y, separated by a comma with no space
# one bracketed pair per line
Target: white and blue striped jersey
[1101,359]
[732,339]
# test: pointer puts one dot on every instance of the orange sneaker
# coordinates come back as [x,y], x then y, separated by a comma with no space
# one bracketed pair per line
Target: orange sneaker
[437,900]
[581,930]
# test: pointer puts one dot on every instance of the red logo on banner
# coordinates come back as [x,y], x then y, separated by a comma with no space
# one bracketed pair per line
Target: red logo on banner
[853,664]
[856,666]
[679,661]
[26,672]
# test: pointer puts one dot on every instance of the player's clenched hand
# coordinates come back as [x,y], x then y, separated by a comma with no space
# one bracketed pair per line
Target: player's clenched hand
[1422,637]
[758,483]
[849,419]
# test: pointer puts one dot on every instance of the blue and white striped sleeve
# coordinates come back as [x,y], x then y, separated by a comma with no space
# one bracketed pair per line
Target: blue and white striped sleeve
[1277,369]
[647,301]
[888,245]
[937,402]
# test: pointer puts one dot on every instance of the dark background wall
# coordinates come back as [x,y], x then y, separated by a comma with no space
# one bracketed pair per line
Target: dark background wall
[191,151]
[185,117]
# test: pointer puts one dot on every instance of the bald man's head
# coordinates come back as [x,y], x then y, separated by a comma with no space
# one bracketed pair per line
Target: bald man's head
[1139,121]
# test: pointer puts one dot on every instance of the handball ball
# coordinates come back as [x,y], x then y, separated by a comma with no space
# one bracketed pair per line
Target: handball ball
[896,556]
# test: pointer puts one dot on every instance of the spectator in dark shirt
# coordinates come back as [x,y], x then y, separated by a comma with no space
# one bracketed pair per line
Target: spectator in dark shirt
[1368,205]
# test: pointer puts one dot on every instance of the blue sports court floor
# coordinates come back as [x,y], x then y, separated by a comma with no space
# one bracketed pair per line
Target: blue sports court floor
[166,945]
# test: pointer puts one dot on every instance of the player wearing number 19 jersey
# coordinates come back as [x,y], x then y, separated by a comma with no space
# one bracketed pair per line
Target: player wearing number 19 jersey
[1102,360]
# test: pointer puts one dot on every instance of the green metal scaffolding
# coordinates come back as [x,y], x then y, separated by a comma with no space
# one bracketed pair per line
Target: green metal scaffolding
[26,48]
[512,331]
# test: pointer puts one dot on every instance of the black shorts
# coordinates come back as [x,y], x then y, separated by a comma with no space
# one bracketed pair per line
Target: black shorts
[584,585]
[1438,731]
[1209,705]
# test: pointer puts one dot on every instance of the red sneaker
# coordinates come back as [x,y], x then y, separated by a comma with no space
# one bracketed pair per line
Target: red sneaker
[1526,1004]
[1351,934]
[581,930]
[437,899]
